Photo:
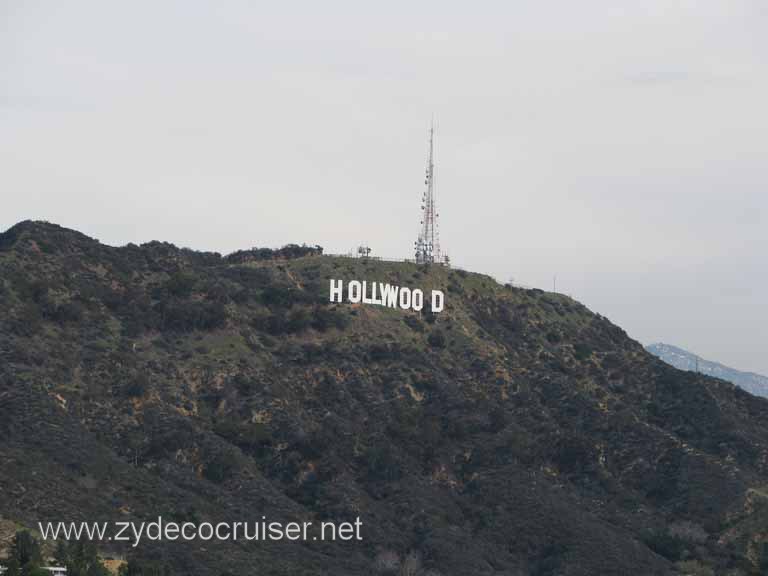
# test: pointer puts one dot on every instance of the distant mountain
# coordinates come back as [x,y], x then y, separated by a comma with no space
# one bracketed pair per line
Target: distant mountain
[684,360]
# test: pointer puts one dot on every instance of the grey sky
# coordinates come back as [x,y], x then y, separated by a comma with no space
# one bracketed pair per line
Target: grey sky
[618,144]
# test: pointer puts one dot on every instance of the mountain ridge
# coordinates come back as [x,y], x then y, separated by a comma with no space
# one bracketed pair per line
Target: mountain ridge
[682,359]
[516,432]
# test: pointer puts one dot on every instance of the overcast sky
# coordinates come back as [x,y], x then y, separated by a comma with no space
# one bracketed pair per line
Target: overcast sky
[619,145]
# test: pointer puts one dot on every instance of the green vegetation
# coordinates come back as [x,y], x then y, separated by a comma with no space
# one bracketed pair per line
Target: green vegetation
[221,467]
[437,339]
[139,568]
[80,558]
[515,432]
[666,544]
[25,556]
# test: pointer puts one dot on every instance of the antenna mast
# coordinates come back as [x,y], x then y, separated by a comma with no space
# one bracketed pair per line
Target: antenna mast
[428,243]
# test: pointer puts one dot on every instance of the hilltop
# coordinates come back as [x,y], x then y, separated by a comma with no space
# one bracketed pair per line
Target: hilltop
[514,433]
[683,360]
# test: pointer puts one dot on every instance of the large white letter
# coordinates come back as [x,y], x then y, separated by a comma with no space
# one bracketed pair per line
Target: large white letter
[366,298]
[405,298]
[388,295]
[374,299]
[337,290]
[438,301]
[418,300]
[353,291]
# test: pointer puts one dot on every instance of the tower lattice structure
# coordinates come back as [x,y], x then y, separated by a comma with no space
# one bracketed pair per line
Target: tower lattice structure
[428,243]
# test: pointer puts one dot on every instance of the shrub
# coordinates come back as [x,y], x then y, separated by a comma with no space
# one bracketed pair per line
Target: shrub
[244,385]
[665,544]
[553,337]
[139,568]
[28,322]
[287,252]
[581,351]
[414,323]
[137,386]
[326,317]
[275,324]
[25,549]
[66,312]
[254,435]
[695,568]
[497,419]
[281,296]
[222,467]
[381,463]
[81,558]
[761,556]
[180,285]
[299,320]
[190,316]
[437,339]
[572,454]
[247,435]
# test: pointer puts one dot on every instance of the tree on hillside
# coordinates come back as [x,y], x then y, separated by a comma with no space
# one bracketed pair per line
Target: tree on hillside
[81,558]
[137,568]
[25,550]
[12,567]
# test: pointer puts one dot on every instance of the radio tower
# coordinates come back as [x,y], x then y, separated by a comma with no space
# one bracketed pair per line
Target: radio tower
[428,244]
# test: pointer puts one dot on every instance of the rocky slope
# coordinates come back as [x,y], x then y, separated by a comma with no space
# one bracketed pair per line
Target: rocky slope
[683,360]
[514,433]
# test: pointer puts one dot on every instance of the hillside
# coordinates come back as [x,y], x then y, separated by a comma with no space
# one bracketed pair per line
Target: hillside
[683,360]
[514,433]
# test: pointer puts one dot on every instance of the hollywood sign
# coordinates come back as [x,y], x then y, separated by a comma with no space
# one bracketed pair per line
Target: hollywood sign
[378,293]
